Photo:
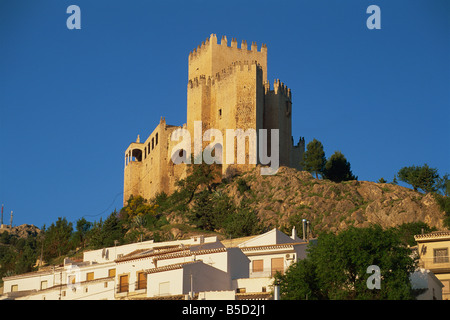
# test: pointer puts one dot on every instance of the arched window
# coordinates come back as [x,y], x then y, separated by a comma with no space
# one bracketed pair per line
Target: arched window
[137,155]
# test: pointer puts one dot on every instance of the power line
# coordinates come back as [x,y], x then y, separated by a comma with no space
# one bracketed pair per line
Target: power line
[114,200]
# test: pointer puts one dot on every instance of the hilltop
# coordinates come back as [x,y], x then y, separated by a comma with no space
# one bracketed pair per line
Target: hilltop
[22,231]
[285,198]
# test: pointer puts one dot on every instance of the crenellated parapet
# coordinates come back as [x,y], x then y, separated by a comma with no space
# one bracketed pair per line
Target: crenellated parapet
[235,67]
[212,40]
[278,88]
[211,56]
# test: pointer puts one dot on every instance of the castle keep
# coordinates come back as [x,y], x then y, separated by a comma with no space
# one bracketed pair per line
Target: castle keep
[227,89]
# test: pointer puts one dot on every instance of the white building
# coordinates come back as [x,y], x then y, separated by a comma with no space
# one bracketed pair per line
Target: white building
[426,280]
[200,267]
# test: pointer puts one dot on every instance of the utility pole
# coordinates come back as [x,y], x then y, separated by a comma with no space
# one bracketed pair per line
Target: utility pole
[1,222]
[60,284]
[192,289]
[10,221]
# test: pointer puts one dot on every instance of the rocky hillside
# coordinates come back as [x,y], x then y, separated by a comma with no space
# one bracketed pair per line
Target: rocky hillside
[23,231]
[289,196]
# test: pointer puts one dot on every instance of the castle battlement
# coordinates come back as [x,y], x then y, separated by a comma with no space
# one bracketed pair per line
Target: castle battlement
[211,57]
[278,88]
[238,66]
[212,40]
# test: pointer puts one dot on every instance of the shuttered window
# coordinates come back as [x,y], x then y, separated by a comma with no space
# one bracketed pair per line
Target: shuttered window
[164,288]
[277,265]
[123,283]
[257,265]
[111,272]
[89,276]
[142,281]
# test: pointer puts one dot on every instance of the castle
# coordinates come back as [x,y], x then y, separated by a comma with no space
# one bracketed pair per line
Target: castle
[227,89]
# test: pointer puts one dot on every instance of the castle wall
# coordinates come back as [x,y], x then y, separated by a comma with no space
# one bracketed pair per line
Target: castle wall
[297,152]
[233,99]
[150,174]
[277,115]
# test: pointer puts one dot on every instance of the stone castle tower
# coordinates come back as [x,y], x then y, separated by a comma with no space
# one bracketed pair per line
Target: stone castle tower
[227,89]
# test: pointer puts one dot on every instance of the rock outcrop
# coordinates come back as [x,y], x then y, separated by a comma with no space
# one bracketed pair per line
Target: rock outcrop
[291,195]
[22,231]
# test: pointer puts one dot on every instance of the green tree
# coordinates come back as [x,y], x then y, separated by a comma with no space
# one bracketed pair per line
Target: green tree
[242,222]
[202,212]
[106,233]
[210,209]
[138,227]
[27,256]
[337,168]
[136,206]
[8,257]
[57,239]
[407,231]
[443,185]
[420,177]
[336,267]
[200,175]
[314,158]
[80,235]
[444,203]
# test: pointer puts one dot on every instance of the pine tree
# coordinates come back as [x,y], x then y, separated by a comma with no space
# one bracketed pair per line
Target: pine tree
[314,158]
[420,177]
[337,168]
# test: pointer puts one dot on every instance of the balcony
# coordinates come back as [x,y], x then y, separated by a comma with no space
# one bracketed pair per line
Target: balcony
[264,273]
[436,264]
[122,288]
[140,285]
[445,295]
[123,291]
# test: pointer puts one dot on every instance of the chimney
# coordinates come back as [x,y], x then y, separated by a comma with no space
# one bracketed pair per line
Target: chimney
[294,233]
[276,292]
[304,229]
[307,230]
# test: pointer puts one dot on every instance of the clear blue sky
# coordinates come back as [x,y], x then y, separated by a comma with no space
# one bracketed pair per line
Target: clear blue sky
[72,100]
